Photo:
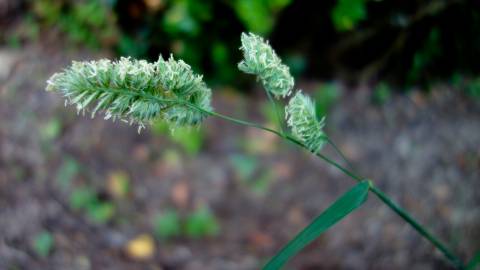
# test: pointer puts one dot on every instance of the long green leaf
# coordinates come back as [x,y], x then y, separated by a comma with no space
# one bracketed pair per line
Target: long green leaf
[343,206]
[474,263]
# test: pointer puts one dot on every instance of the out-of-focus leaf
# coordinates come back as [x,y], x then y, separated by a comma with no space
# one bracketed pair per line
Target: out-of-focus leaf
[101,212]
[425,56]
[178,20]
[348,13]
[255,15]
[343,206]
[167,224]
[382,93]
[277,5]
[190,139]
[297,64]
[82,198]
[473,88]
[201,223]
[261,185]
[51,129]
[244,166]
[474,263]
[325,97]
[67,171]
[43,244]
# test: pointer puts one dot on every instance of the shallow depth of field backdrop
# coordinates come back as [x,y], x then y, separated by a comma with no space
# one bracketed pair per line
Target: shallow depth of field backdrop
[399,82]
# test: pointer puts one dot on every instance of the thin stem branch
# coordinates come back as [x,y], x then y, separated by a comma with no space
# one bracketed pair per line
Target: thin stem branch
[277,111]
[382,196]
[339,152]
[457,262]
[418,227]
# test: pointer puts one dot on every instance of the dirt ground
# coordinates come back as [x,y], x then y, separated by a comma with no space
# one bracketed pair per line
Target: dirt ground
[422,149]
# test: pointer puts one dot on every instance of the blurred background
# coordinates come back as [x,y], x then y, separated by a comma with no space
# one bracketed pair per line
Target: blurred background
[398,81]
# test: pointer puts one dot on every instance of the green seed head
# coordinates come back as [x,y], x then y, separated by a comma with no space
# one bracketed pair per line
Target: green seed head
[135,91]
[260,59]
[301,118]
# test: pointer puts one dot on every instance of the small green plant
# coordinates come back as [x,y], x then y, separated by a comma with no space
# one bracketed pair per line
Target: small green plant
[197,224]
[51,129]
[325,97]
[201,223]
[167,224]
[140,92]
[67,172]
[43,243]
[382,93]
[86,199]
[348,13]
[79,20]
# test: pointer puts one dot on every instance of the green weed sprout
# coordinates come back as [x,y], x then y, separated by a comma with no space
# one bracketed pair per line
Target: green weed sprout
[139,92]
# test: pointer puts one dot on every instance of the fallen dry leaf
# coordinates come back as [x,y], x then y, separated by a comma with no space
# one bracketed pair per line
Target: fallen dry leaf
[141,248]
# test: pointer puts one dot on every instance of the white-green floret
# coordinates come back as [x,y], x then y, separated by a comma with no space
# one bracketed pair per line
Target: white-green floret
[135,90]
[305,125]
[260,59]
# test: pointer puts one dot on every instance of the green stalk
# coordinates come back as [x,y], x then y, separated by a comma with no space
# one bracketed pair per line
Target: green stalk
[277,111]
[335,147]
[454,260]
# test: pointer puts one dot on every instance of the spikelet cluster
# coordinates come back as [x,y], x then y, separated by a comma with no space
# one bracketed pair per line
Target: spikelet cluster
[301,118]
[260,59]
[135,91]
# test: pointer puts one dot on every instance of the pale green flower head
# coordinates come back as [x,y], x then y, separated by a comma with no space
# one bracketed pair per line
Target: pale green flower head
[301,118]
[135,91]
[260,59]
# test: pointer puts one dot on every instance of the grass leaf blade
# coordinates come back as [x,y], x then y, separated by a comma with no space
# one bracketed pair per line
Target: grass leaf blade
[343,206]
[475,262]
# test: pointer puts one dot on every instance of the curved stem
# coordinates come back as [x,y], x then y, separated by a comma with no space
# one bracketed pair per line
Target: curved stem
[382,196]
[277,111]
[337,149]
[418,227]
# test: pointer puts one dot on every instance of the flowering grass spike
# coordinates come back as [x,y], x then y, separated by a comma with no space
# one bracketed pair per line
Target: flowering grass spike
[260,59]
[301,118]
[136,91]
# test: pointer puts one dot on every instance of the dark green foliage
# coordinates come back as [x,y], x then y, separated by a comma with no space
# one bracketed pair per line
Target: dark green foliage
[425,56]
[348,13]
[409,42]
[89,22]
